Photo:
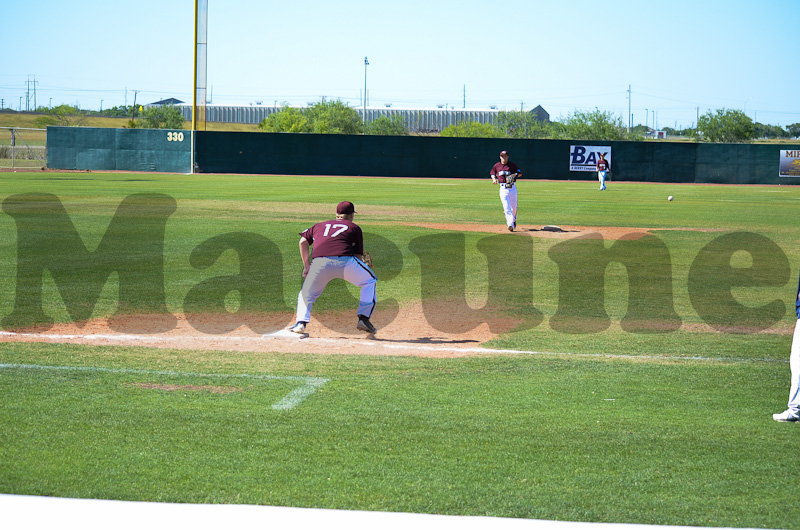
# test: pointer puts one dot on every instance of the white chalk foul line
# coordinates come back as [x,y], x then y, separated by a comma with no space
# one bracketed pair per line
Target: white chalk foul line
[308,385]
[406,346]
[414,347]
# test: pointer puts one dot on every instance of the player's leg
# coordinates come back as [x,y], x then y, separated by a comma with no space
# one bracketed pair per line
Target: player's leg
[792,413]
[512,201]
[507,210]
[319,274]
[359,274]
[794,366]
[601,176]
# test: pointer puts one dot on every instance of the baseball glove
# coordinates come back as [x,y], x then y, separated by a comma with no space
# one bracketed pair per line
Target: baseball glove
[366,258]
[510,179]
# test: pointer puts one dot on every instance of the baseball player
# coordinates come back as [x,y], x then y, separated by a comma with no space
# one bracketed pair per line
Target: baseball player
[603,167]
[338,252]
[792,413]
[505,173]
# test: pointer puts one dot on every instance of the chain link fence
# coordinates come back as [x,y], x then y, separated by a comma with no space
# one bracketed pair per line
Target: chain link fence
[23,148]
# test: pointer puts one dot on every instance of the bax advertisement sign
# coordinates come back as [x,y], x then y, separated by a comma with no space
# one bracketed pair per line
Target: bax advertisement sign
[585,157]
[790,163]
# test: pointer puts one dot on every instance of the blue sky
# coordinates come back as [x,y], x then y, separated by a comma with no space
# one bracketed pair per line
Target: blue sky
[677,56]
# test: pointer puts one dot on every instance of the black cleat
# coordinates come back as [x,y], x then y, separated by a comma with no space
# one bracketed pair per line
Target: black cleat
[365,325]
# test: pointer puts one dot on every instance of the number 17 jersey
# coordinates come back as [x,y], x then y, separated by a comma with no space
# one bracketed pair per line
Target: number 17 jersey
[338,237]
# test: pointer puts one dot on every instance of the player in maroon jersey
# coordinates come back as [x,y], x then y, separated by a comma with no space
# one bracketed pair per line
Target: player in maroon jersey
[505,173]
[338,248]
[603,167]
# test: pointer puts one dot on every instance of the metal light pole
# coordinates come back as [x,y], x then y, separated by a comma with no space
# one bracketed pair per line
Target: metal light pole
[646,117]
[630,116]
[366,63]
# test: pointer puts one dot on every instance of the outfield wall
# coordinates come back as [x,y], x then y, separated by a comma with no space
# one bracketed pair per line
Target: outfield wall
[403,156]
[104,149]
[423,156]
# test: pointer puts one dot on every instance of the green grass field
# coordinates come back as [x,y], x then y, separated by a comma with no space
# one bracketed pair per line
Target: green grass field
[670,427]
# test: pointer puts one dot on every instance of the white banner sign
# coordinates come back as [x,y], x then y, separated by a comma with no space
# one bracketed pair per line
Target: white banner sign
[790,163]
[585,157]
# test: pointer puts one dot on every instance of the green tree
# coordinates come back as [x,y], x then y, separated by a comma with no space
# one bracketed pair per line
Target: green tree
[472,129]
[725,125]
[597,125]
[121,111]
[42,122]
[63,115]
[761,130]
[288,119]
[161,117]
[324,117]
[334,117]
[385,126]
[521,124]
[793,130]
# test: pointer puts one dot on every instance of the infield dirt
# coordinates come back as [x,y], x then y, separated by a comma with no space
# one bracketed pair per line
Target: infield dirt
[403,333]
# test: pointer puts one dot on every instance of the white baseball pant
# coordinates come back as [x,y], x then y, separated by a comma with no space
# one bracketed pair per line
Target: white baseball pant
[323,270]
[601,176]
[794,367]
[508,198]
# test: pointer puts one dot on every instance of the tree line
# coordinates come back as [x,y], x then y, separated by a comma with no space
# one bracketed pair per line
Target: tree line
[154,117]
[336,117]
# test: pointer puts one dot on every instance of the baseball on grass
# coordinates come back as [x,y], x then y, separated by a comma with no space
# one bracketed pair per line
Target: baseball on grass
[669,198]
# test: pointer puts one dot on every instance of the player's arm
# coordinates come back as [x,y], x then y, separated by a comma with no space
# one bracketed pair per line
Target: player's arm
[305,254]
[494,176]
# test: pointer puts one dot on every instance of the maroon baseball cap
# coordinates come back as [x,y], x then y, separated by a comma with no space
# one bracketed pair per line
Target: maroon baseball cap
[345,207]
[503,153]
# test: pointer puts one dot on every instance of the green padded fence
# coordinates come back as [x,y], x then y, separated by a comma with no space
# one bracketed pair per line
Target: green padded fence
[119,149]
[437,157]
[403,156]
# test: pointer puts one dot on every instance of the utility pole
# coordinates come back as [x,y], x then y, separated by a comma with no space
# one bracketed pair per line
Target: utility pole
[366,63]
[629,108]
[133,110]
[465,96]
[28,98]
